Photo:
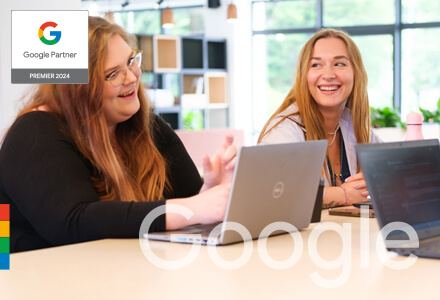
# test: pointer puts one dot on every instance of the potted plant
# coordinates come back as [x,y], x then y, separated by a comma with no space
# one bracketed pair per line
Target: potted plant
[431,116]
[431,119]
[387,124]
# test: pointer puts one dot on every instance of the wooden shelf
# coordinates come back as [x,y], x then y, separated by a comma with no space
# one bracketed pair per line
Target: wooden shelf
[194,101]
[216,87]
[192,53]
[145,43]
[217,106]
[167,58]
[167,110]
[193,84]
[172,118]
[216,54]
[199,64]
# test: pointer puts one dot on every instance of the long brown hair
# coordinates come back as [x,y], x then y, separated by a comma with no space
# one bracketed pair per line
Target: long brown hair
[129,165]
[312,119]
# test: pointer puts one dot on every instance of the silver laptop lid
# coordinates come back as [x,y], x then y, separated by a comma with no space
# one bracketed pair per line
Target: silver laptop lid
[274,183]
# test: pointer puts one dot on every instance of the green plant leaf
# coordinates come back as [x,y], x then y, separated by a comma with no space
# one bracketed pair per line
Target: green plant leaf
[385,117]
[431,116]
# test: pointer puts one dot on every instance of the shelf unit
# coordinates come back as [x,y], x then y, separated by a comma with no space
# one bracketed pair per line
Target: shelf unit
[194,69]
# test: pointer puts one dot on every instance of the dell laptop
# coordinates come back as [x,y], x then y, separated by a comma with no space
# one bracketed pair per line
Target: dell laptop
[271,183]
[403,179]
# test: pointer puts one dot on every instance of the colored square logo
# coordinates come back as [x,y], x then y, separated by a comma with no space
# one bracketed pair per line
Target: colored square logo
[4,261]
[4,212]
[4,245]
[4,228]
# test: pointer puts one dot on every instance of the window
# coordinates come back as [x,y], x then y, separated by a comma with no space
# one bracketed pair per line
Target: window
[420,11]
[278,15]
[420,69]
[188,21]
[274,62]
[377,55]
[145,22]
[400,53]
[338,13]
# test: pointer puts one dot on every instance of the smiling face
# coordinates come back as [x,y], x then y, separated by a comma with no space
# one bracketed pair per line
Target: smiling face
[330,77]
[119,102]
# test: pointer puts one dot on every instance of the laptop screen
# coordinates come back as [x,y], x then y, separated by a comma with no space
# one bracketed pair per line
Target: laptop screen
[404,182]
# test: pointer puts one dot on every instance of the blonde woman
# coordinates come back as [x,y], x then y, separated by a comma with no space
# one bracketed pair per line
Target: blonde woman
[86,162]
[329,101]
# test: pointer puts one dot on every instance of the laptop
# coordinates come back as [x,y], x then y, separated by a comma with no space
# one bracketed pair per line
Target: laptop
[403,179]
[271,183]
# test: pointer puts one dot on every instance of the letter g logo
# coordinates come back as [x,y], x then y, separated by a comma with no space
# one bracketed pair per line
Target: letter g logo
[55,34]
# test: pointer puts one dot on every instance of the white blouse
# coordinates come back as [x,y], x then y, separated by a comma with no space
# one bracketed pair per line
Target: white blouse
[289,132]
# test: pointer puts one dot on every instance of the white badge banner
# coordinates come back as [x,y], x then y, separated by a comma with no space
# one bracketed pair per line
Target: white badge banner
[49,46]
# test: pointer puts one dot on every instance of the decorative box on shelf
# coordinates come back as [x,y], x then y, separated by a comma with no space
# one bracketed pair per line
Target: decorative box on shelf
[193,71]
[166,54]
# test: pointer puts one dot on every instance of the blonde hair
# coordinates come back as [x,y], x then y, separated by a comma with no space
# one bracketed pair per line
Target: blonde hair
[129,166]
[312,119]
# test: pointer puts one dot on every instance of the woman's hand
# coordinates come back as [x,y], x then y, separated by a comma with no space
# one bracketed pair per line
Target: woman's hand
[208,207]
[356,188]
[210,204]
[220,168]
[353,190]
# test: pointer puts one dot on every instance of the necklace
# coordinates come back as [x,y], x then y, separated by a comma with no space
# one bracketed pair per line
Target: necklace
[334,135]
[333,175]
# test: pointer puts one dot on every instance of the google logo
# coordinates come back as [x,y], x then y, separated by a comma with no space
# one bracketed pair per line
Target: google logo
[55,34]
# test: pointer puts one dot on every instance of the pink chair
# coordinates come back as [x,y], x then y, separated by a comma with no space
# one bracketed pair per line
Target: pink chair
[201,142]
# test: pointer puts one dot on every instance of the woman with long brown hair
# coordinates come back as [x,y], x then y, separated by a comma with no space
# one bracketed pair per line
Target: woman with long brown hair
[89,161]
[329,101]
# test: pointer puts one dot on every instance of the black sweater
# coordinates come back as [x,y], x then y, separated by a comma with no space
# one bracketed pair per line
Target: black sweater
[47,183]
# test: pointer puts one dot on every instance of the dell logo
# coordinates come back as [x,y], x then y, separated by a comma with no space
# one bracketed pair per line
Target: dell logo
[278,190]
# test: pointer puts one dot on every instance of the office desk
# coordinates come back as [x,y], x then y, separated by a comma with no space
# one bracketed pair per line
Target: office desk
[117,269]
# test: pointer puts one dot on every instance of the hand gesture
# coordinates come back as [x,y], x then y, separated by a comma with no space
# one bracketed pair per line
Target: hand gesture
[356,188]
[219,169]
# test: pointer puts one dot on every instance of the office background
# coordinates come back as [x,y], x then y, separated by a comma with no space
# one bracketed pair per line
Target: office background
[116,269]
[399,41]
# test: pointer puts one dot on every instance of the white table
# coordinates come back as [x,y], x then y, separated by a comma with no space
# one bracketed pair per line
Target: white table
[118,269]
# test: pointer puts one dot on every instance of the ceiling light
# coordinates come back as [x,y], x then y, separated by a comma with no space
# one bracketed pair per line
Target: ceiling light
[157,4]
[167,18]
[232,13]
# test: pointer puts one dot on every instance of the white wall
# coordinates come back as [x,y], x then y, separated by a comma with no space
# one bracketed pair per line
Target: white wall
[239,54]
[11,93]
